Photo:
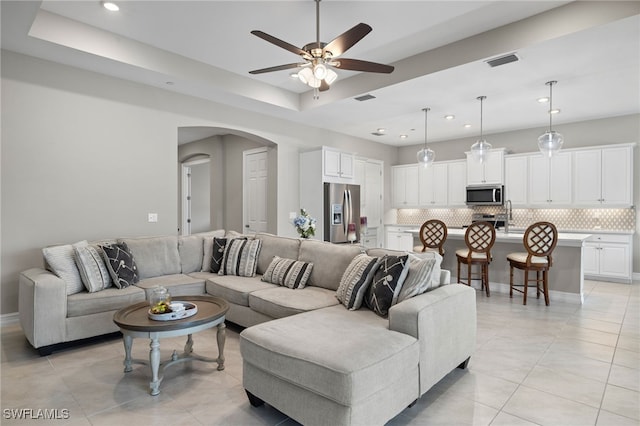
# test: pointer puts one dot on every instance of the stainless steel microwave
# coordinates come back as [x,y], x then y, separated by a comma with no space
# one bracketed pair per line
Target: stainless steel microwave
[486,195]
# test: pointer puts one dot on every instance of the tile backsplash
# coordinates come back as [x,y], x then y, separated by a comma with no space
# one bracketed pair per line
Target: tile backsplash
[564,219]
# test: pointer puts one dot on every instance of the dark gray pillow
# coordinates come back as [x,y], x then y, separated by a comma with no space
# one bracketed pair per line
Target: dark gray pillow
[120,263]
[219,244]
[387,282]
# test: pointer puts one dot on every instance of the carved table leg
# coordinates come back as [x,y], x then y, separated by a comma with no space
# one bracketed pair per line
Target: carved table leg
[222,337]
[188,347]
[128,342]
[154,362]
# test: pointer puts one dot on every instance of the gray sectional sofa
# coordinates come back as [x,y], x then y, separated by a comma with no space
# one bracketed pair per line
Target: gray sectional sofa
[303,351]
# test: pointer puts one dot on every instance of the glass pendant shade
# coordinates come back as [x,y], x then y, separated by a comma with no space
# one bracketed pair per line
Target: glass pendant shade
[550,142]
[425,156]
[480,150]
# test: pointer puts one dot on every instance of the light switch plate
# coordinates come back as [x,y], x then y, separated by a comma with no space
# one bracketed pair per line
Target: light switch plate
[153,217]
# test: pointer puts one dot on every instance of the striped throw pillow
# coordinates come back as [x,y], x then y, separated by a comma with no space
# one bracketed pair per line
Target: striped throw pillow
[288,272]
[93,271]
[61,261]
[355,281]
[240,257]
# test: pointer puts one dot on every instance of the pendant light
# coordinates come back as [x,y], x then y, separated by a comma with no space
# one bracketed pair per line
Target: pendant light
[481,149]
[426,155]
[550,142]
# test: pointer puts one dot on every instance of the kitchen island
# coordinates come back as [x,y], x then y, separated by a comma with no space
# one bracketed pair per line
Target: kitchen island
[566,276]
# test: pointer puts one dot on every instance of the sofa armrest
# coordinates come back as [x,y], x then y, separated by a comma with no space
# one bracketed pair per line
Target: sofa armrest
[42,305]
[445,276]
[444,322]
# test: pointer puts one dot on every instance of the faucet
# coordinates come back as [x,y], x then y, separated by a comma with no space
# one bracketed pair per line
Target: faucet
[508,213]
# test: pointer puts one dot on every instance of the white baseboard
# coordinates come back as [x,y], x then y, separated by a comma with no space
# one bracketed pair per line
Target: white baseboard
[636,276]
[9,319]
[559,296]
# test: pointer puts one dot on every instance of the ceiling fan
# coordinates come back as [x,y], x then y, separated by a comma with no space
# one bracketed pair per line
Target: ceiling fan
[320,57]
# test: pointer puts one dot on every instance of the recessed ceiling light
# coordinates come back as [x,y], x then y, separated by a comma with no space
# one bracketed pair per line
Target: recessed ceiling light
[554,111]
[169,83]
[382,130]
[467,126]
[403,136]
[543,100]
[449,117]
[293,75]
[110,6]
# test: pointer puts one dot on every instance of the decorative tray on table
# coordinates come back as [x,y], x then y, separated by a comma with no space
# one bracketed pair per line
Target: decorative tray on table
[175,311]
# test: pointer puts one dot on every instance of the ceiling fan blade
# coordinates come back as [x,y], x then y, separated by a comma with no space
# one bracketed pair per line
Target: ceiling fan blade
[276,68]
[324,86]
[366,66]
[346,40]
[280,43]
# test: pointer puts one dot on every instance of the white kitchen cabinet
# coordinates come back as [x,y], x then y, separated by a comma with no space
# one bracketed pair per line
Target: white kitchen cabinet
[457,183]
[550,180]
[370,240]
[516,178]
[489,172]
[369,175]
[399,240]
[432,185]
[604,177]
[608,256]
[337,164]
[405,187]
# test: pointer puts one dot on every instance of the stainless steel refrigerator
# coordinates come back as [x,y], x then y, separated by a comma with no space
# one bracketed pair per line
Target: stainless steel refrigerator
[341,208]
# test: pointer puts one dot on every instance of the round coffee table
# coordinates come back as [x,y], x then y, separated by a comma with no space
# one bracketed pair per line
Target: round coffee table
[134,322]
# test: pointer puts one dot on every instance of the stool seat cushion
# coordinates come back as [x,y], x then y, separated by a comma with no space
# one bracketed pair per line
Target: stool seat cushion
[305,350]
[418,249]
[474,255]
[522,258]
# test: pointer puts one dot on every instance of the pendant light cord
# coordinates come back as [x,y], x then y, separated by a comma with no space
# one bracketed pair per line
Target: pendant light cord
[426,110]
[551,83]
[481,98]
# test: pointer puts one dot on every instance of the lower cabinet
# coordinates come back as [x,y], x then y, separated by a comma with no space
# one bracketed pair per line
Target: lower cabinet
[608,256]
[397,239]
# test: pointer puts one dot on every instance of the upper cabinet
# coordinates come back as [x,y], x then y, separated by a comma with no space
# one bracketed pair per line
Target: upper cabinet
[550,179]
[516,175]
[457,183]
[489,172]
[404,186]
[604,177]
[433,185]
[338,166]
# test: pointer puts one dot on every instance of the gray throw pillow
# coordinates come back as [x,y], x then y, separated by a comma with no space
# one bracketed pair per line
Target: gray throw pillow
[121,264]
[387,282]
[61,261]
[288,272]
[217,255]
[93,270]
[356,280]
[241,257]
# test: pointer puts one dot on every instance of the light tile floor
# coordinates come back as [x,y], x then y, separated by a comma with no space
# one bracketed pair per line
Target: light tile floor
[534,365]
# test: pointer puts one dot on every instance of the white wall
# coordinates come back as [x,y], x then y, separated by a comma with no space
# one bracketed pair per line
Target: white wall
[85,156]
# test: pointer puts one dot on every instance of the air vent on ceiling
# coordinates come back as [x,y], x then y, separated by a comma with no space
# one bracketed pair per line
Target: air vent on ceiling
[377,134]
[496,62]
[364,97]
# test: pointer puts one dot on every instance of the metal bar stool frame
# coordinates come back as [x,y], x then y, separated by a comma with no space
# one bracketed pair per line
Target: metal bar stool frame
[539,240]
[479,239]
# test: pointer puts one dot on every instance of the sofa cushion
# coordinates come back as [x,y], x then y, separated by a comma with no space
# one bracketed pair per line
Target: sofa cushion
[356,280]
[207,247]
[121,264]
[315,351]
[235,289]
[109,299]
[288,272]
[387,282]
[177,285]
[61,261]
[424,274]
[94,272]
[217,254]
[240,257]
[282,301]
[329,261]
[190,249]
[272,245]
[155,256]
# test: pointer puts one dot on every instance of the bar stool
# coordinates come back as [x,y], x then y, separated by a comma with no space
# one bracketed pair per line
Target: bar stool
[433,234]
[479,238]
[539,240]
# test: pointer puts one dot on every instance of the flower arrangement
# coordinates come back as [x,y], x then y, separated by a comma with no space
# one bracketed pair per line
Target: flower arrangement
[305,224]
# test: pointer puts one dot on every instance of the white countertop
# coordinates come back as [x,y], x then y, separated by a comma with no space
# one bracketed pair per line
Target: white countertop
[412,228]
[565,239]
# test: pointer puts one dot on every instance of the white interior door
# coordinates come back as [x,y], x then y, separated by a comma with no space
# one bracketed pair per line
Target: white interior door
[255,190]
[196,197]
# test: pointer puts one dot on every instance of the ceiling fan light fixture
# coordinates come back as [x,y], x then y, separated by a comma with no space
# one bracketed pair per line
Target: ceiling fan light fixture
[331,76]
[305,75]
[550,141]
[320,71]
